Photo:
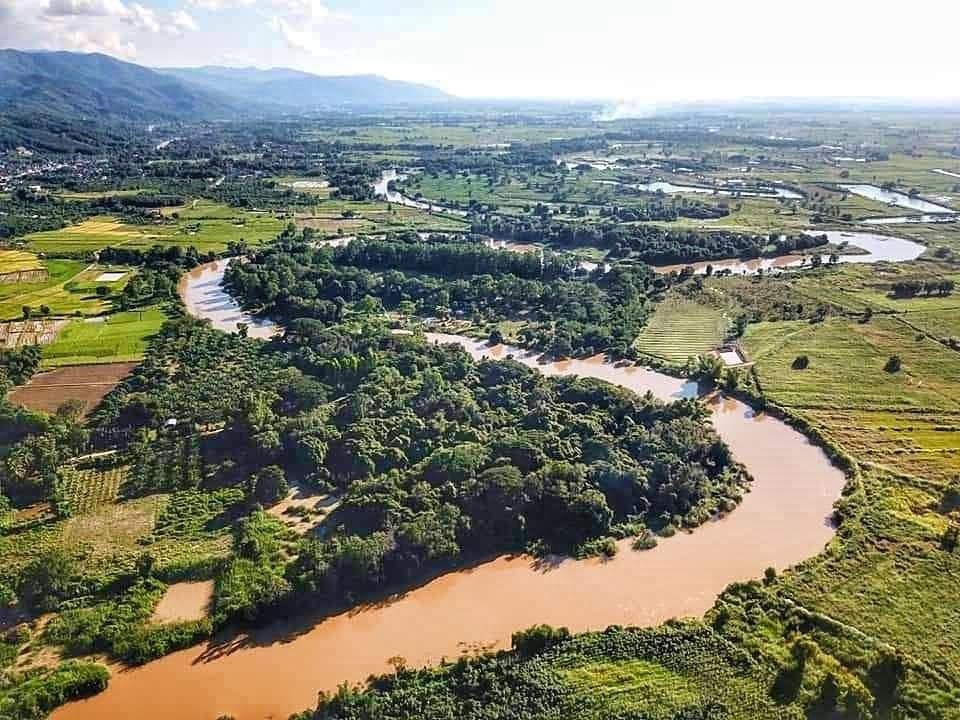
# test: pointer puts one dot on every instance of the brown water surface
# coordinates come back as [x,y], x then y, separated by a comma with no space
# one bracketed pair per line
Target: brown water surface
[278,670]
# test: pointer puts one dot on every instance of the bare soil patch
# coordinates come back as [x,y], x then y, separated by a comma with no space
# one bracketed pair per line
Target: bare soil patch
[87,383]
[184,602]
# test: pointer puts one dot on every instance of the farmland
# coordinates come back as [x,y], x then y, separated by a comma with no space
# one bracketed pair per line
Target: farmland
[385,465]
[87,384]
[12,261]
[681,329]
[204,225]
[907,420]
[119,337]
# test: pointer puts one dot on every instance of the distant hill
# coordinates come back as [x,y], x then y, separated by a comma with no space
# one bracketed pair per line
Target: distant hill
[293,89]
[81,86]
[97,86]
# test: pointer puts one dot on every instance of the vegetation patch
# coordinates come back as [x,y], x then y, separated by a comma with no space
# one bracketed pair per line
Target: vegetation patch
[681,329]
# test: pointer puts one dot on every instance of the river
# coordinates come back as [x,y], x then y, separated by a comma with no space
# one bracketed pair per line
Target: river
[669,188]
[877,248]
[203,294]
[381,189]
[278,669]
[891,197]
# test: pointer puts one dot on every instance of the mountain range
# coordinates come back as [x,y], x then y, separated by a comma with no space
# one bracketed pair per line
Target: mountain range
[95,85]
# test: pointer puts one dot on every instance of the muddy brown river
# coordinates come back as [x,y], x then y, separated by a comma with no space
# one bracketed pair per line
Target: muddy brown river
[277,670]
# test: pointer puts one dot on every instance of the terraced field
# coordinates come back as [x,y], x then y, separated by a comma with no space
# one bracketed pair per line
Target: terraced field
[680,329]
[12,261]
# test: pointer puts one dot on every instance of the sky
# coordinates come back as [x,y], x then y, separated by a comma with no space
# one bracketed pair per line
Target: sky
[632,51]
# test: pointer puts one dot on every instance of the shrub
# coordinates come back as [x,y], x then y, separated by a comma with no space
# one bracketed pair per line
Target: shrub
[893,364]
[801,362]
[538,639]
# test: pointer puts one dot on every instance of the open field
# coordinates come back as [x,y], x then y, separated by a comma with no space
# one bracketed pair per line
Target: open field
[680,329]
[71,289]
[204,224]
[349,217]
[908,420]
[119,337]
[468,134]
[87,383]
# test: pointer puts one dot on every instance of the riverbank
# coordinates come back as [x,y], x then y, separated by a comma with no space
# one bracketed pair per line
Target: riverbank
[784,519]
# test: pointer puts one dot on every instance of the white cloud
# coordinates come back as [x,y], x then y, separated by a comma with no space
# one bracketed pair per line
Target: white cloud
[313,10]
[107,42]
[302,40]
[66,8]
[143,18]
[183,21]
[220,4]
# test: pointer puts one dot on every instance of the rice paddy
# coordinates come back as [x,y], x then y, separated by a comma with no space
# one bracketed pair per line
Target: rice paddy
[681,329]
[12,261]
[908,419]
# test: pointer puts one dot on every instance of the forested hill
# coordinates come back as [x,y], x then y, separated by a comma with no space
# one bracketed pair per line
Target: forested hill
[292,88]
[82,85]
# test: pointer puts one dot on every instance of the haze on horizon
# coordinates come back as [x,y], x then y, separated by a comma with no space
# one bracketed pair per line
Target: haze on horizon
[642,52]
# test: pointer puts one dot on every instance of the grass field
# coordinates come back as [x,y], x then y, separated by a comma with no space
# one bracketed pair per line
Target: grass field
[680,329]
[17,260]
[657,680]
[907,420]
[119,337]
[70,289]
[328,217]
[204,224]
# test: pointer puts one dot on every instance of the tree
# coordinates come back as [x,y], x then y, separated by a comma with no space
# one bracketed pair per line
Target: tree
[950,538]
[537,639]
[269,486]
[102,291]
[801,362]
[48,579]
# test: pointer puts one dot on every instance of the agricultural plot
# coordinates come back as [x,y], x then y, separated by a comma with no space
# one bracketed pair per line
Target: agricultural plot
[87,384]
[120,337]
[907,419]
[680,329]
[22,333]
[63,293]
[661,673]
[350,217]
[90,489]
[93,234]
[204,224]
[14,261]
